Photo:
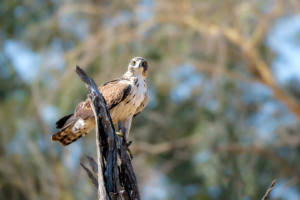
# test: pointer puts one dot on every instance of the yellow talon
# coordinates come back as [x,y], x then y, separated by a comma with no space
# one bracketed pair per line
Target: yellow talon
[127,145]
[119,134]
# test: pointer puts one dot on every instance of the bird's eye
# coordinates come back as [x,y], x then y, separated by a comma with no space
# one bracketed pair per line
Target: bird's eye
[144,64]
[133,62]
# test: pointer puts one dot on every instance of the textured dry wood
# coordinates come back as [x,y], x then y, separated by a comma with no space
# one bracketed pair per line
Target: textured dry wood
[114,182]
[89,173]
[93,164]
[95,97]
[101,186]
[111,155]
[269,190]
[127,169]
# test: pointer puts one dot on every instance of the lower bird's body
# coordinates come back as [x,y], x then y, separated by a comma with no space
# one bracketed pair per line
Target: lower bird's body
[80,127]
[125,97]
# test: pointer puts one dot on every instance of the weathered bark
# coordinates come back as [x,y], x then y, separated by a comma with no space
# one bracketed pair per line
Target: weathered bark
[114,182]
[269,190]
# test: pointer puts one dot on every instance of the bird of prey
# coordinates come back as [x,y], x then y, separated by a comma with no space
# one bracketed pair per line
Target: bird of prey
[125,97]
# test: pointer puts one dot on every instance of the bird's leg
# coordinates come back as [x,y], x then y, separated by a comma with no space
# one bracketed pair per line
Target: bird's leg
[125,144]
[128,150]
[129,143]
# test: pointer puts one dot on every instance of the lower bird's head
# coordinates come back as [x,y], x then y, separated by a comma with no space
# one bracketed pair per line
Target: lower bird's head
[138,66]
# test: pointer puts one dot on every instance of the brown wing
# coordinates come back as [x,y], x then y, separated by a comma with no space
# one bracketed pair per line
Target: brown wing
[143,104]
[60,123]
[65,135]
[114,92]
[84,110]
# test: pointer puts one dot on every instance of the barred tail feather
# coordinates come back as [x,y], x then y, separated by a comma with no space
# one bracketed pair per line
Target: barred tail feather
[62,132]
[73,131]
[66,136]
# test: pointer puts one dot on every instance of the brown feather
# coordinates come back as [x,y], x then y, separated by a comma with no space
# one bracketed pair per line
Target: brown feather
[70,138]
[62,132]
[84,110]
[60,123]
[65,136]
[143,105]
[114,92]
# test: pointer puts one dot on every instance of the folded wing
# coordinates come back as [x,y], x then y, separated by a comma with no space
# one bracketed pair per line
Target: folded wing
[114,92]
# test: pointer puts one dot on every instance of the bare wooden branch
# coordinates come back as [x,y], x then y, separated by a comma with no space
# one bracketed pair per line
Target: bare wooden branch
[89,173]
[114,182]
[127,169]
[269,190]
[93,164]
[101,186]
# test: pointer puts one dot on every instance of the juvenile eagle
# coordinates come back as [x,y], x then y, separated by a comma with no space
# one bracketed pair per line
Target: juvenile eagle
[125,97]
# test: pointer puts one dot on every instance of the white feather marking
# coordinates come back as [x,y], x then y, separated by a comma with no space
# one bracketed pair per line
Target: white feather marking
[124,111]
[78,125]
[127,108]
[83,126]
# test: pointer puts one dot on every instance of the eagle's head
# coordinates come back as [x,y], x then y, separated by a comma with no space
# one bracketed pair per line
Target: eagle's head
[138,66]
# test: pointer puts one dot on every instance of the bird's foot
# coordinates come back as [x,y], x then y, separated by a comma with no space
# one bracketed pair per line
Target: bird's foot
[119,134]
[127,145]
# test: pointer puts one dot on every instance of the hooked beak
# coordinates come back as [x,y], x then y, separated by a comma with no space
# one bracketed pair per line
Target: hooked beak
[139,64]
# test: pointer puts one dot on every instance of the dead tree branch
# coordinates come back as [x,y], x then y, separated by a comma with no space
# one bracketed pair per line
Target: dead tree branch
[269,190]
[114,182]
